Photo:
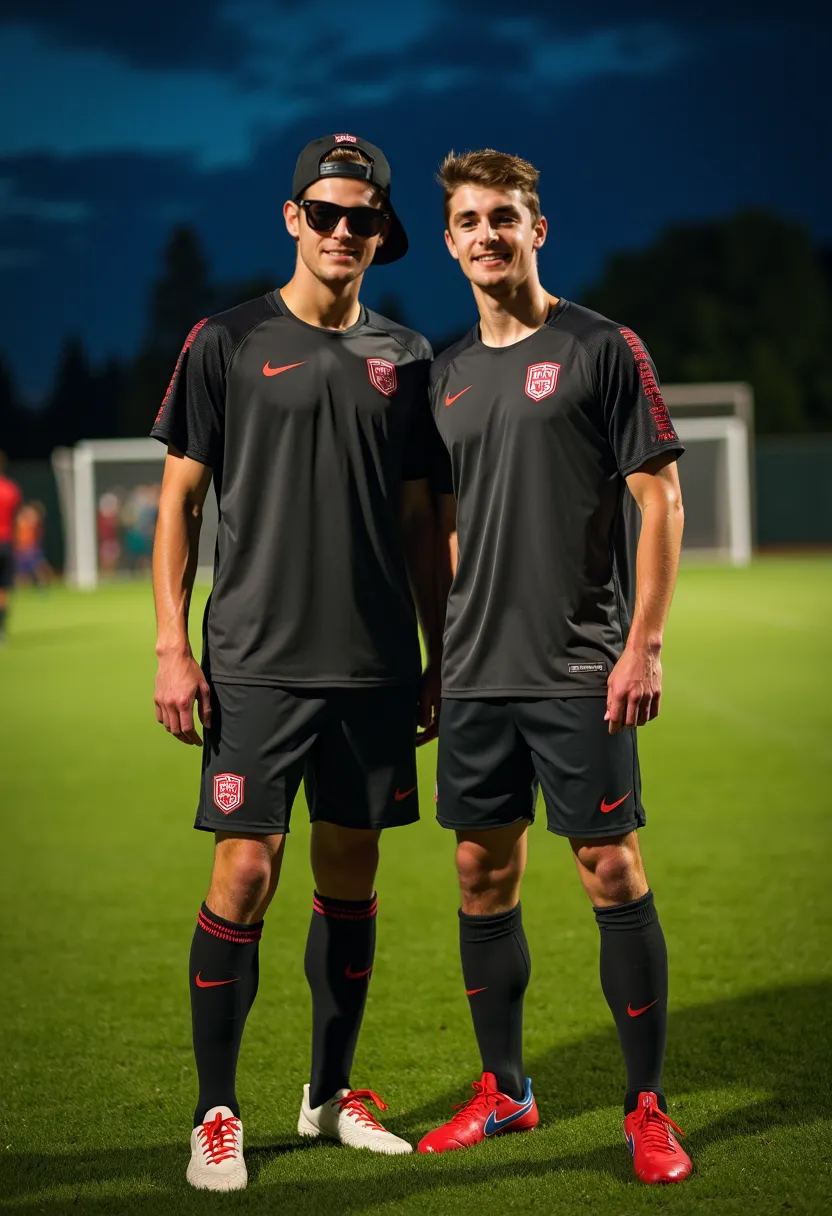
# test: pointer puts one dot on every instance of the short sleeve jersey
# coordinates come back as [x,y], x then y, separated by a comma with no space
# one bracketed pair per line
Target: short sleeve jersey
[310,434]
[541,435]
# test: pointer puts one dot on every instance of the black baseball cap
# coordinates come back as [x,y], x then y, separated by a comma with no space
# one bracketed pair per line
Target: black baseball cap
[309,169]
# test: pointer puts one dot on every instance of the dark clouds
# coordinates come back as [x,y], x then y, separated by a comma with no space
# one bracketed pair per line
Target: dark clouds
[153,33]
[634,123]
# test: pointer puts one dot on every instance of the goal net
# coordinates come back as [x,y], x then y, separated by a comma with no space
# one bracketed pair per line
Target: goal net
[109,494]
[715,422]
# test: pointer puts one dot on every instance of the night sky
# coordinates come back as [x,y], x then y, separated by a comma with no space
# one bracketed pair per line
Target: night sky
[115,124]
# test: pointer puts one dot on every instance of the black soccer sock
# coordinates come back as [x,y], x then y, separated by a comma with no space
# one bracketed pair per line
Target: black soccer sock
[224,974]
[340,950]
[634,981]
[2,622]
[496,969]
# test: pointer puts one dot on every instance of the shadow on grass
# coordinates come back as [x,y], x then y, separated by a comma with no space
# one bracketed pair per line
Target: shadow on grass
[773,1042]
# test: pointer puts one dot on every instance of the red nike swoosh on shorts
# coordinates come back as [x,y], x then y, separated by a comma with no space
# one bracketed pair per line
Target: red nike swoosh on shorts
[201,983]
[636,1013]
[356,975]
[400,795]
[606,807]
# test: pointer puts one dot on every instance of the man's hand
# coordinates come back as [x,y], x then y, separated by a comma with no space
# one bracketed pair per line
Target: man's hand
[430,700]
[634,688]
[179,682]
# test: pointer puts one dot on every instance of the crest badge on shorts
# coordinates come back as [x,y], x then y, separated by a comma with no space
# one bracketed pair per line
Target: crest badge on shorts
[383,376]
[229,791]
[541,380]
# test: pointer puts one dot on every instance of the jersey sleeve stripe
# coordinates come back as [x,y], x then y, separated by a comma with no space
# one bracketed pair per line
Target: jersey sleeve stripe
[189,341]
[661,419]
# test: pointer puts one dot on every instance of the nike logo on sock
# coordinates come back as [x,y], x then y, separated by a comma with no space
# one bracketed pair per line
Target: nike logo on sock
[201,983]
[356,975]
[474,991]
[636,1013]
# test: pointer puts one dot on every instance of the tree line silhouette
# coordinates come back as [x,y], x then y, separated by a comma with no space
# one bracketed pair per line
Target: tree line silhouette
[743,297]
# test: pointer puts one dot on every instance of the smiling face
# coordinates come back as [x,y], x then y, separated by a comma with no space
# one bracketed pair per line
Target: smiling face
[338,256]
[494,236]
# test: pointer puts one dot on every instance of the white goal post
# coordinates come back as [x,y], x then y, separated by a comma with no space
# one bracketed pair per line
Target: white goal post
[108,491]
[728,536]
[108,487]
[715,422]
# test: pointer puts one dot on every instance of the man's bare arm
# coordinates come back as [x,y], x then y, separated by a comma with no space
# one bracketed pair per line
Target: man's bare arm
[635,685]
[419,540]
[179,679]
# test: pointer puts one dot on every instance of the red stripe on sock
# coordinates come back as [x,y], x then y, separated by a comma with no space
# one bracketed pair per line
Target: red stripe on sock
[242,937]
[341,912]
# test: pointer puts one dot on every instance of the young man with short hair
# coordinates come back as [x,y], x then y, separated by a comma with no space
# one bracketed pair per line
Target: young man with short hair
[311,414]
[557,433]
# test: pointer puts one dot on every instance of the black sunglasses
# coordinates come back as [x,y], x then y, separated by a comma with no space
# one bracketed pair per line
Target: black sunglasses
[325,217]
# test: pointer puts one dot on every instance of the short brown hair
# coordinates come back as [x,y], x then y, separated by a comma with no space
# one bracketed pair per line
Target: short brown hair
[487,167]
[342,153]
[357,157]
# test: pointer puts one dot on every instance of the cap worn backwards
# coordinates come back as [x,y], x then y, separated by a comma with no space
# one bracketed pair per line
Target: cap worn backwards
[311,167]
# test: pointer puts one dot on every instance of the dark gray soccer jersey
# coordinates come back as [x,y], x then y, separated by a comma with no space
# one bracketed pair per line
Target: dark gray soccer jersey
[309,433]
[541,435]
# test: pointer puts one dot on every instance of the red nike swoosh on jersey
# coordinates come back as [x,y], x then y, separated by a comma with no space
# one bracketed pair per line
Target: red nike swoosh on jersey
[449,400]
[201,983]
[401,795]
[275,371]
[474,991]
[636,1013]
[606,807]
[356,975]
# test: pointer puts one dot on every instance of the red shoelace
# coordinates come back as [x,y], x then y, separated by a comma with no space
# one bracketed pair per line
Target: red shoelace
[653,1123]
[219,1138]
[482,1096]
[354,1103]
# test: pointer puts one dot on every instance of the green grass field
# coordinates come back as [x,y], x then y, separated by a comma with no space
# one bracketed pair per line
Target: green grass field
[101,876]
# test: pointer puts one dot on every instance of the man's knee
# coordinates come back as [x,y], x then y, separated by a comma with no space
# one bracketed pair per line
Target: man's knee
[242,880]
[490,872]
[611,871]
[344,860]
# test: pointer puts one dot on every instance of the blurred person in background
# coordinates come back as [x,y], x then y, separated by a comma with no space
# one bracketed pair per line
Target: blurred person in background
[558,437]
[108,519]
[10,500]
[138,521]
[31,566]
[311,414]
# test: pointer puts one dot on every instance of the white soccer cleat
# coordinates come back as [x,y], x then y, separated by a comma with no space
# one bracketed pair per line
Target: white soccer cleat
[217,1162]
[346,1118]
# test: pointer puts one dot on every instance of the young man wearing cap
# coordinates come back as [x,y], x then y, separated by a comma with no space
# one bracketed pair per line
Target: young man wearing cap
[557,436]
[311,414]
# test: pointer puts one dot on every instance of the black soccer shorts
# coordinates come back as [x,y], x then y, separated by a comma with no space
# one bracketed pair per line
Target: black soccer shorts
[6,567]
[354,749]
[494,755]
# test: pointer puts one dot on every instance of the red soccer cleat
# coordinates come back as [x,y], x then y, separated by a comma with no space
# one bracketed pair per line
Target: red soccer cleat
[488,1113]
[657,1157]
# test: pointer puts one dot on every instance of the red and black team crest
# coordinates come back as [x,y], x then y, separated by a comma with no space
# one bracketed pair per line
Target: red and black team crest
[541,380]
[229,791]
[383,376]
